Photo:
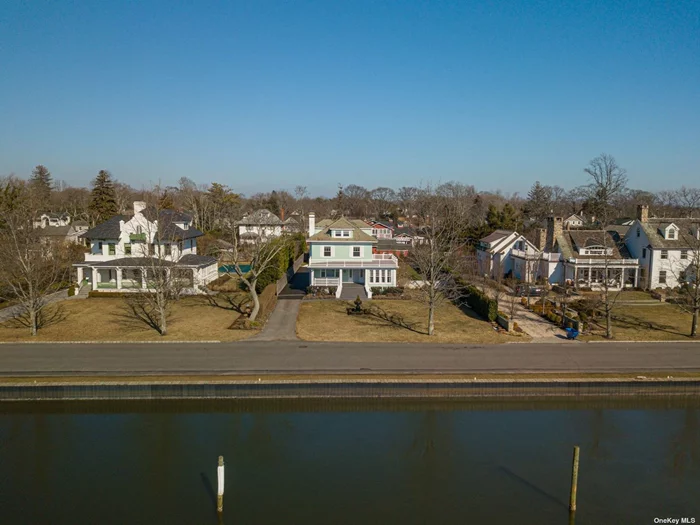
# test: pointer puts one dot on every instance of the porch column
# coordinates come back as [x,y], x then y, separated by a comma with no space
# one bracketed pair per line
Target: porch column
[636,277]
[195,279]
[143,278]
[94,278]
[367,283]
[590,276]
[119,278]
[79,271]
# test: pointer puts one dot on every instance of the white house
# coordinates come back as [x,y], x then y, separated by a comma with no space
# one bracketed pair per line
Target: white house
[665,248]
[573,221]
[126,250]
[263,223]
[340,255]
[51,219]
[582,258]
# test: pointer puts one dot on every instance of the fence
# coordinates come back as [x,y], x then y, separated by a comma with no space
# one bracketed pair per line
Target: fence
[284,280]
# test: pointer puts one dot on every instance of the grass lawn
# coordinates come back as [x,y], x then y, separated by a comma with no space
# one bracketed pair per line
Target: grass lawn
[328,321]
[104,319]
[659,322]
[624,296]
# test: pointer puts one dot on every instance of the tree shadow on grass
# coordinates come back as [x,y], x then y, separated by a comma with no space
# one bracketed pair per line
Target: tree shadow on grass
[638,323]
[392,319]
[234,302]
[49,315]
[136,313]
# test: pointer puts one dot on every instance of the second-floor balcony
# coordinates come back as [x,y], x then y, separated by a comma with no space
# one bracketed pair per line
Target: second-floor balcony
[137,237]
[378,260]
[531,255]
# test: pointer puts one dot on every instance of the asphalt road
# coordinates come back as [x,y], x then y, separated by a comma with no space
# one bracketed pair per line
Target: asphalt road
[300,356]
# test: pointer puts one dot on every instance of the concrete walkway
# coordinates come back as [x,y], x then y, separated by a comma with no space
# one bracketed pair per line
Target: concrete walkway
[13,311]
[541,330]
[282,325]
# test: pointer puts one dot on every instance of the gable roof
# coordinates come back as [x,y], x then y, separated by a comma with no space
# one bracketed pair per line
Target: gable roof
[496,236]
[260,217]
[571,242]
[380,223]
[686,238]
[108,229]
[341,224]
[165,215]
[56,231]
[574,217]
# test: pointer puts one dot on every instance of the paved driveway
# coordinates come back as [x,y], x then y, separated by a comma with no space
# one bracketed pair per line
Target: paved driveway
[282,325]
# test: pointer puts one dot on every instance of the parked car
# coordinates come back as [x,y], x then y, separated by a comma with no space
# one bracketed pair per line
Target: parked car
[523,290]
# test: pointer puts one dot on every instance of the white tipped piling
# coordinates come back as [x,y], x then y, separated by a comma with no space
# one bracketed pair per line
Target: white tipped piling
[220,485]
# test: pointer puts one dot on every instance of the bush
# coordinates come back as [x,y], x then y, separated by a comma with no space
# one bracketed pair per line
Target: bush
[523,301]
[481,303]
[71,291]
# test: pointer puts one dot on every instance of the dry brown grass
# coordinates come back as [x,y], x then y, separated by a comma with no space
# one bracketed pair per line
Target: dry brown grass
[657,322]
[328,321]
[105,319]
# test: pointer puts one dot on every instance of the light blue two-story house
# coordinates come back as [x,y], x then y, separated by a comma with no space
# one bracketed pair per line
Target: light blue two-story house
[341,255]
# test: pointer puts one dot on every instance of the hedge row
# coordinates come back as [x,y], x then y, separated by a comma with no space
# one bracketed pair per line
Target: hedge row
[285,259]
[481,303]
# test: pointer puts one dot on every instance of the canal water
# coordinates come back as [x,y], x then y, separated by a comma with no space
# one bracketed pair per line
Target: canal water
[354,462]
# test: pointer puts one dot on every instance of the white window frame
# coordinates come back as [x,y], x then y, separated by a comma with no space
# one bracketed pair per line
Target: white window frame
[684,254]
[664,281]
[346,233]
[664,254]
[330,251]
[359,252]
[671,234]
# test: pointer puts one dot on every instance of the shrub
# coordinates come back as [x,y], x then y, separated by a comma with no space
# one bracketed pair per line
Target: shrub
[481,303]
[523,301]
[71,291]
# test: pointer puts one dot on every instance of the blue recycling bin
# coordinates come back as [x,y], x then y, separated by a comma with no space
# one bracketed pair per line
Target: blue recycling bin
[571,333]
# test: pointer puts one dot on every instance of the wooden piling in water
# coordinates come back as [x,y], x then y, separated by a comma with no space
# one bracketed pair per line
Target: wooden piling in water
[220,485]
[574,481]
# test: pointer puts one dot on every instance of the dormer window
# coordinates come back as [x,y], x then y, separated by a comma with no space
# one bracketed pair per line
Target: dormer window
[341,233]
[671,234]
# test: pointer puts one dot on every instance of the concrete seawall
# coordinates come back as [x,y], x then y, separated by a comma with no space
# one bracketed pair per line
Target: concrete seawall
[328,388]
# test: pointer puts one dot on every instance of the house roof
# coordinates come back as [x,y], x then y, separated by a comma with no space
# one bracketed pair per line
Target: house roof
[574,217]
[139,262]
[686,238]
[572,241]
[260,217]
[56,231]
[55,215]
[391,244]
[408,232]
[108,229]
[165,215]
[382,224]
[496,236]
[342,224]
[80,223]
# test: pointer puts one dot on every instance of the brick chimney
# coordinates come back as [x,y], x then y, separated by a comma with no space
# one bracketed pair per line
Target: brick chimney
[555,227]
[282,214]
[642,212]
[541,238]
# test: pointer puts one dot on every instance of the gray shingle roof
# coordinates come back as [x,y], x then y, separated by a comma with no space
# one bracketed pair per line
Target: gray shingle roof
[686,238]
[56,231]
[141,262]
[192,259]
[497,236]
[106,230]
[260,217]
[572,241]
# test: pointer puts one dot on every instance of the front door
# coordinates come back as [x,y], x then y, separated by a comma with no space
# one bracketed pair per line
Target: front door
[348,276]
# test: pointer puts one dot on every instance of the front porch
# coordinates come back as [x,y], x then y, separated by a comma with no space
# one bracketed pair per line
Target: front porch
[597,277]
[339,277]
[119,279]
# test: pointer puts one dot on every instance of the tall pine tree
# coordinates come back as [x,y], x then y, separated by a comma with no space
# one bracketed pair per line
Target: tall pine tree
[539,202]
[103,202]
[41,184]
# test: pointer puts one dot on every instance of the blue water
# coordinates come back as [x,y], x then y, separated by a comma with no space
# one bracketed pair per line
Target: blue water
[229,268]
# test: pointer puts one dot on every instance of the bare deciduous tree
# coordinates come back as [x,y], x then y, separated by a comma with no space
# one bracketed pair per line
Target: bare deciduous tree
[31,269]
[259,251]
[608,184]
[687,273]
[441,253]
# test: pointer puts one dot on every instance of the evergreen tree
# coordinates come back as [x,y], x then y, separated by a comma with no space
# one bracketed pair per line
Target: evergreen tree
[539,201]
[103,202]
[41,184]
[273,203]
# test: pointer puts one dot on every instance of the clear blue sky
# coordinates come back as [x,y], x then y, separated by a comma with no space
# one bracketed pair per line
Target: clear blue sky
[262,95]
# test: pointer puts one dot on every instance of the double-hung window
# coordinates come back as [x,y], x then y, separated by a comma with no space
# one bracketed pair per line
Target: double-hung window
[112,249]
[168,249]
[684,254]
[326,251]
[664,254]
[662,277]
[127,248]
[356,251]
